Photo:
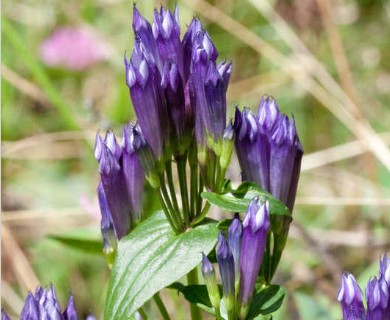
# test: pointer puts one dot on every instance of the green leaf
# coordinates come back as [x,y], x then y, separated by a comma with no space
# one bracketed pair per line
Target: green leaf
[196,294]
[86,245]
[152,257]
[266,301]
[238,200]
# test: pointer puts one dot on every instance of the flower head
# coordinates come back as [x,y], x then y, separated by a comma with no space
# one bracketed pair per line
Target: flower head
[269,150]
[350,298]
[377,296]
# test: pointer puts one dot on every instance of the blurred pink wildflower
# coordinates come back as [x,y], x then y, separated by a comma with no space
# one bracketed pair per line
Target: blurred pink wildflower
[73,48]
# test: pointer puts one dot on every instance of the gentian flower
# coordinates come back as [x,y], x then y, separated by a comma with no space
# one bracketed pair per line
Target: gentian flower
[234,242]
[110,239]
[122,181]
[268,150]
[144,81]
[44,305]
[4,315]
[350,298]
[226,269]
[134,175]
[70,312]
[377,296]
[254,238]
[211,282]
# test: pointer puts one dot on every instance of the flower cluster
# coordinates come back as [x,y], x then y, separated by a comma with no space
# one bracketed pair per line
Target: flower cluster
[178,91]
[239,259]
[268,150]
[377,295]
[44,305]
[270,154]
[120,190]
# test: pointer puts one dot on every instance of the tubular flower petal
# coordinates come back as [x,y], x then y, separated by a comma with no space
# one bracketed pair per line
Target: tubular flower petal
[377,296]
[226,268]
[134,175]
[350,298]
[254,238]
[70,312]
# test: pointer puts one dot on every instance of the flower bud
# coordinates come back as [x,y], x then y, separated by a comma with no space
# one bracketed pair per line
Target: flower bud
[70,312]
[350,298]
[146,158]
[134,175]
[211,282]
[377,297]
[226,269]
[4,316]
[234,242]
[254,238]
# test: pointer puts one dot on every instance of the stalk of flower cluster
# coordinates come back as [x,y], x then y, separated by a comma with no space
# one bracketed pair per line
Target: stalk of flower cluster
[254,238]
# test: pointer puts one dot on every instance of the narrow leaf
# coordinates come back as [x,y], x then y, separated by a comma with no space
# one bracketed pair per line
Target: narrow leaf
[152,257]
[86,245]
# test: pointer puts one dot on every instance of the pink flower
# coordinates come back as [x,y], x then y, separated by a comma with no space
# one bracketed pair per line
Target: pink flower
[73,48]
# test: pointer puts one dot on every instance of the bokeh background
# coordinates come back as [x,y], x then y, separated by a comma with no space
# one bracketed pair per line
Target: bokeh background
[327,62]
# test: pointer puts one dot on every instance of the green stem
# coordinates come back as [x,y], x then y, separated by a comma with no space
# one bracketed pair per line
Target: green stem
[175,216]
[181,170]
[168,168]
[168,214]
[143,314]
[199,198]
[192,278]
[194,190]
[161,306]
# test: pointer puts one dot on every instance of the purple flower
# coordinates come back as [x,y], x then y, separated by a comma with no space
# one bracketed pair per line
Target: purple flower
[377,296]
[208,85]
[144,81]
[30,309]
[269,150]
[350,298]
[134,175]
[180,118]
[70,312]
[166,31]
[44,305]
[254,238]
[122,181]
[384,269]
[234,242]
[106,225]
[226,269]
[144,36]
[114,185]
[4,316]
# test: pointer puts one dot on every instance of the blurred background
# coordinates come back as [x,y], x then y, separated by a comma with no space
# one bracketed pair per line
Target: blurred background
[327,62]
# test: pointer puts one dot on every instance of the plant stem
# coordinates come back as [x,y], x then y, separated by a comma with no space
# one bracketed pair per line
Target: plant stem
[175,215]
[161,306]
[168,168]
[193,190]
[168,214]
[181,170]
[192,278]
[143,314]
